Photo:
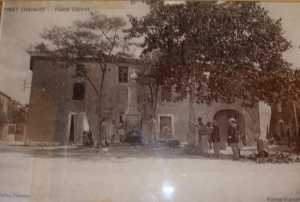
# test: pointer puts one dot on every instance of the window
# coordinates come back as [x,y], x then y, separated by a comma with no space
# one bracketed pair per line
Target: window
[78,91]
[166,127]
[123,74]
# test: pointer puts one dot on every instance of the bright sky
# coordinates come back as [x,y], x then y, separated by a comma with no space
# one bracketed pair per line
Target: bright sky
[21,27]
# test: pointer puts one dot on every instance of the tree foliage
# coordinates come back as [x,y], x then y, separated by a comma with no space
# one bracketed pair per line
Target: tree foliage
[236,43]
[99,37]
[151,78]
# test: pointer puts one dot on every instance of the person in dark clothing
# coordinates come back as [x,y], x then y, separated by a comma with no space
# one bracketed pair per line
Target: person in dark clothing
[289,134]
[215,138]
[233,138]
[203,137]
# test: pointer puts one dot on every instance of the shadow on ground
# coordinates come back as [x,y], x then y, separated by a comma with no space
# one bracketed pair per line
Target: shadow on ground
[113,152]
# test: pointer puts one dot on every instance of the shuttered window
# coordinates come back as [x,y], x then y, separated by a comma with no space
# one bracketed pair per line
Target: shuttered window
[78,91]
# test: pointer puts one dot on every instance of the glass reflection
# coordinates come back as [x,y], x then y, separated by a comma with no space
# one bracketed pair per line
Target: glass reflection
[168,190]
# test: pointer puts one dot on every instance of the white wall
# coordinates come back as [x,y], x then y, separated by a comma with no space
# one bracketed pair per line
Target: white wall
[265,118]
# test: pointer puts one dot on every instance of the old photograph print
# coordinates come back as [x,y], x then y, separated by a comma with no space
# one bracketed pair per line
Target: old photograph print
[149,101]
[1,6]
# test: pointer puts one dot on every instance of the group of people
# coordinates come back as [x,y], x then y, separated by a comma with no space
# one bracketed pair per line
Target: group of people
[284,133]
[209,137]
[111,133]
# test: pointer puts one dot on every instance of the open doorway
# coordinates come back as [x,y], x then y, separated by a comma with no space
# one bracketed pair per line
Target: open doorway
[222,118]
[77,125]
[166,127]
[71,139]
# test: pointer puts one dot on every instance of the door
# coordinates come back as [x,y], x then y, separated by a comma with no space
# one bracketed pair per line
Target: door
[80,119]
[71,139]
[222,117]
[76,128]
[165,127]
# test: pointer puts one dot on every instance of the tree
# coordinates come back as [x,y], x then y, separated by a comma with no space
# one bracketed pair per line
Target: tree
[217,52]
[150,78]
[99,38]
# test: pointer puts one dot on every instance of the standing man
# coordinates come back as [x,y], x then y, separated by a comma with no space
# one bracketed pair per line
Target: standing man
[121,130]
[280,132]
[155,130]
[113,132]
[209,127]
[215,138]
[203,136]
[233,138]
[99,135]
[289,134]
[105,132]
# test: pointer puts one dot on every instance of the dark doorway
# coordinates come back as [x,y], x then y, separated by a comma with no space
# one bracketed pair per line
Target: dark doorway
[72,130]
[165,125]
[222,117]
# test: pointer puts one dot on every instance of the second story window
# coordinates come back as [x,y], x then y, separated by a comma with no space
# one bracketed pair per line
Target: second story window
[123,74]
[78,91]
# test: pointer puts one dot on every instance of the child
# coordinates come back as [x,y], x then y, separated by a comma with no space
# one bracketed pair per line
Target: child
[261,152]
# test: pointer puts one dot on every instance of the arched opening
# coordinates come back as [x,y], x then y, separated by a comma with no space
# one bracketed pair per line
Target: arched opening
[222,118]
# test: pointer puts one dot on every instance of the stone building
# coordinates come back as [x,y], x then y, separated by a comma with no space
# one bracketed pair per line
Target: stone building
[62,105]
[12,120]
[176,116]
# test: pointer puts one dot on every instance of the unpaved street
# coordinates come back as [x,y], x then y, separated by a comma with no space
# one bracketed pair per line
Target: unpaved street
[66,176]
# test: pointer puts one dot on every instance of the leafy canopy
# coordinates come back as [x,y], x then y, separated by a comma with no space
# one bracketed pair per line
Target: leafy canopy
[226,51]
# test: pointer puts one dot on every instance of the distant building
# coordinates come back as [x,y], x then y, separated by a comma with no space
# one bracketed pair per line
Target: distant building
[62,105]
[12,120]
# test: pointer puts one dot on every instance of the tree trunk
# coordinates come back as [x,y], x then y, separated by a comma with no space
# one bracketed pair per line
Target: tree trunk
[191,137]
[99,109]
[155,102]
[154,113]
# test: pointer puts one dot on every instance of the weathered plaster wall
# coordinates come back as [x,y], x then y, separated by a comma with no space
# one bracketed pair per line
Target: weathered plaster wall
[207,112]
[51,99]
[51,103]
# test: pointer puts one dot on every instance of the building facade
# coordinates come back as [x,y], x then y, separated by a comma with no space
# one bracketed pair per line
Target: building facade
[12,120]
[62,106]
[175,115]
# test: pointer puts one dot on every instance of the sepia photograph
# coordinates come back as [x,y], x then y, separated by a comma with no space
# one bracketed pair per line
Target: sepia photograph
[149,101]
[1,6]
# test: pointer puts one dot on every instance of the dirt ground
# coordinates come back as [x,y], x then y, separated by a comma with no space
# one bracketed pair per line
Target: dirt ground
[139,174]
